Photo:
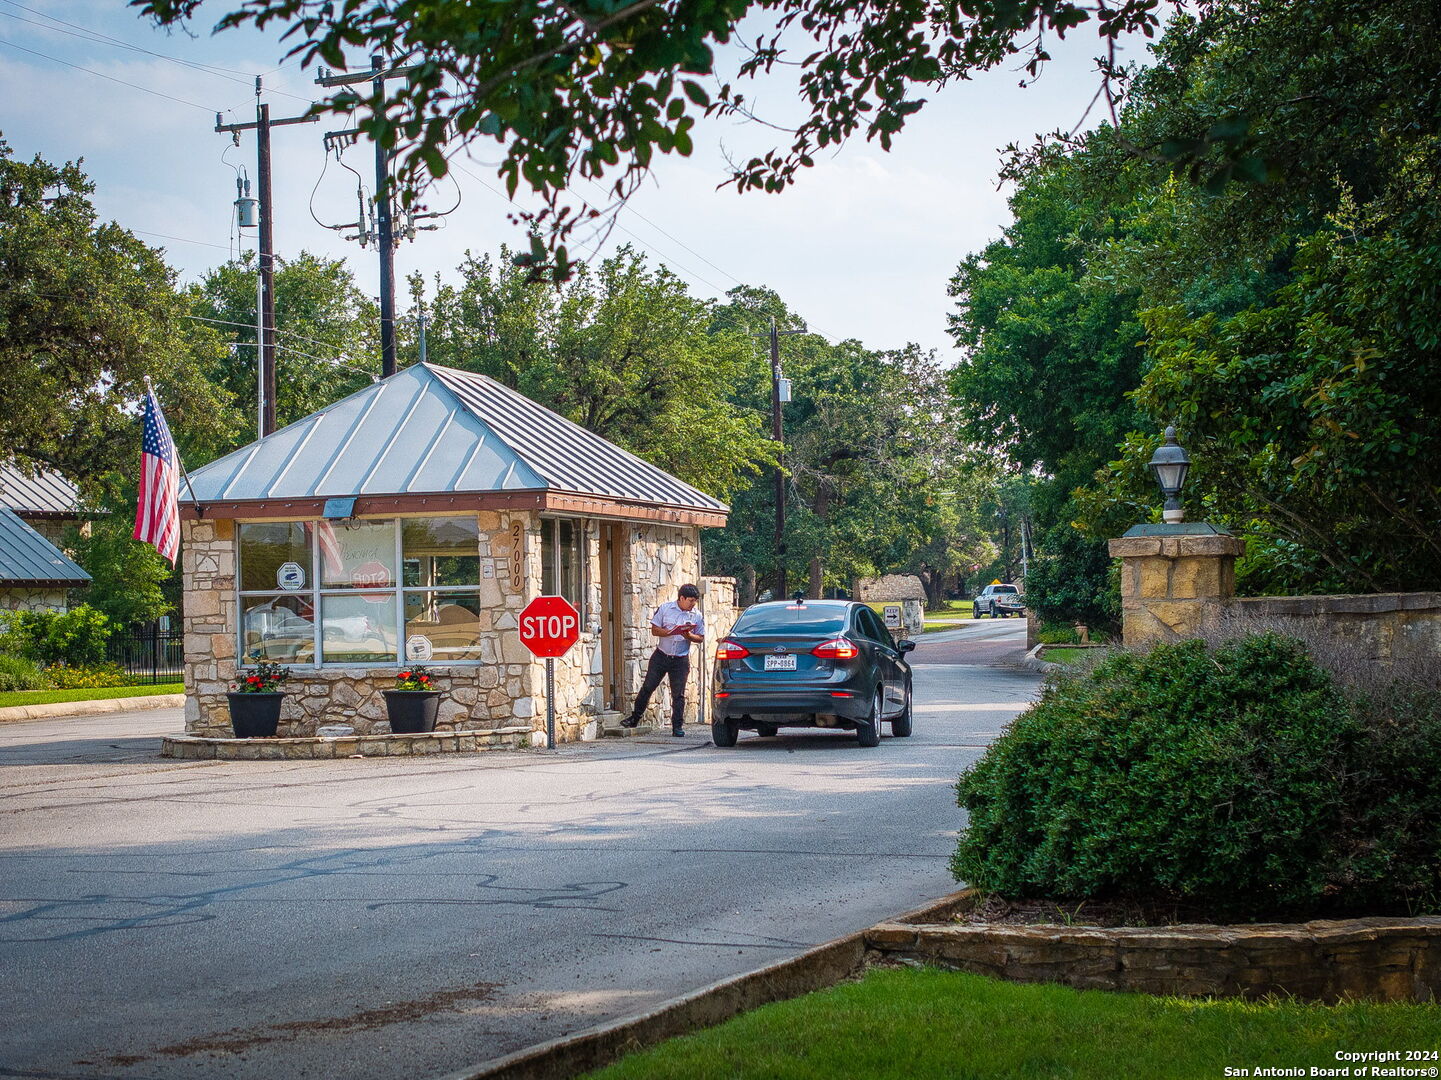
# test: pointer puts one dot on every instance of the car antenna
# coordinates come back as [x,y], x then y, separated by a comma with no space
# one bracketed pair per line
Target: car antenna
[799,596]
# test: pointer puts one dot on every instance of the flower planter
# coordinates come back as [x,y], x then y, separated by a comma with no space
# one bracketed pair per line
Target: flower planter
[411,711]
[255,716]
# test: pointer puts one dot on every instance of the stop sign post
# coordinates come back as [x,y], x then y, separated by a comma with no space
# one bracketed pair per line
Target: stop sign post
[549,626]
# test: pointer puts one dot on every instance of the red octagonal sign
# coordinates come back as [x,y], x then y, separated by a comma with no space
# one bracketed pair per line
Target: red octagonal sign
[549,626]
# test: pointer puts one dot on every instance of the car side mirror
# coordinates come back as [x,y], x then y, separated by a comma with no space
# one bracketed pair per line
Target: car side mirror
[905,646]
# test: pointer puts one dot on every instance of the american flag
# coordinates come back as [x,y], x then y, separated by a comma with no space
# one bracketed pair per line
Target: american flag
[157,518]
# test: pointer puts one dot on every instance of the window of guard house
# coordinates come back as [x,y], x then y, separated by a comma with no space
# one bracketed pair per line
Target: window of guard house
[560,557]
[441,575]
[277,593]
[331,589]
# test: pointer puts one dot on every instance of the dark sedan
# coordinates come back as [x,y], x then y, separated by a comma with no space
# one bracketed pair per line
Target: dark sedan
[811,663]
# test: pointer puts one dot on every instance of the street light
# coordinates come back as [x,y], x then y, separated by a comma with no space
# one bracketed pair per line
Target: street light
[1169,464]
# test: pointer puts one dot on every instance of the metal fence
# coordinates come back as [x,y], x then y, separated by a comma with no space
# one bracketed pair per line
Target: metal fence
[152,654]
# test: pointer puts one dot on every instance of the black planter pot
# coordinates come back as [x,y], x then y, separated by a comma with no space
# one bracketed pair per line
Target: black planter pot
[411,711]
[255,716]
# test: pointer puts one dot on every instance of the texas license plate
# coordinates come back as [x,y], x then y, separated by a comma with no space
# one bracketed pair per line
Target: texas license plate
[784,662]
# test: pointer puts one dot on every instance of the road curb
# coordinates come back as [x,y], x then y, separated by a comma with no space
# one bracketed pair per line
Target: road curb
[595,1047]
[91,708]
[1033,662]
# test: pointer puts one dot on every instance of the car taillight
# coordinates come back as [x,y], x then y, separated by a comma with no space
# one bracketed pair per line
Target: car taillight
[729,650]
[836,649]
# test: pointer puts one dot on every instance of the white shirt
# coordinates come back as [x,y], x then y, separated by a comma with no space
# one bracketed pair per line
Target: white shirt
[670,614]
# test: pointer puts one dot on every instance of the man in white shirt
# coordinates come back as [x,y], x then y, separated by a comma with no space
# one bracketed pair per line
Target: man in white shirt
[676,624]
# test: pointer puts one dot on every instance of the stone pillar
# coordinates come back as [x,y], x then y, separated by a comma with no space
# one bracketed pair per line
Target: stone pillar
[1175,580]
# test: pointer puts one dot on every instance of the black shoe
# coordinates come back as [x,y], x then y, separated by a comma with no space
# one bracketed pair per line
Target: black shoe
[630,721]
[679,733]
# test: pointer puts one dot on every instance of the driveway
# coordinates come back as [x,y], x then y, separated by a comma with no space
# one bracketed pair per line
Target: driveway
[389,918]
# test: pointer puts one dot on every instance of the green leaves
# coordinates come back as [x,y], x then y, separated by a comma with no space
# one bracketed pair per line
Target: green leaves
[557,83]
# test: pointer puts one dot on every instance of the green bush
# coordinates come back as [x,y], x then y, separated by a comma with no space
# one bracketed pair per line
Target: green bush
[1057,634]
[75,637]
[1071,581]
[1209,776]
[1389,844]
[18,673]
[87,676]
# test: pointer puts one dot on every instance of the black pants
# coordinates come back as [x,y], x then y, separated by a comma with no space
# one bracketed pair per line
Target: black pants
[661,665]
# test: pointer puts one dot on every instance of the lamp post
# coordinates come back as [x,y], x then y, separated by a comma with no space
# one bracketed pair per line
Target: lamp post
[1169,464]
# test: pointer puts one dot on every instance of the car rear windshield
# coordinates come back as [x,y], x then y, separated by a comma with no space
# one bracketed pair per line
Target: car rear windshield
[1005,589]
[800,619]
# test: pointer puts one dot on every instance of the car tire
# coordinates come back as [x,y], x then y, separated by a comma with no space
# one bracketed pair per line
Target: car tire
[975,611]
[868,731]
[901,725]
[724,732]
[766,731]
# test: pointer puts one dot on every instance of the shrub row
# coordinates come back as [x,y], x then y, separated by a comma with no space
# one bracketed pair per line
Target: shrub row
[1239,777]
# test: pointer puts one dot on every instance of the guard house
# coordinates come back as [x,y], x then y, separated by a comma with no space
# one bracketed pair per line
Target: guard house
[410,523]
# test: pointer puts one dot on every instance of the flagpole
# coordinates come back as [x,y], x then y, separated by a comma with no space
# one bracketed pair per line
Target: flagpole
[199,510]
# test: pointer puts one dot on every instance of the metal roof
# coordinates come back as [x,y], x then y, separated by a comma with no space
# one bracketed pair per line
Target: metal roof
[27,558]
[435,430]
[45,493]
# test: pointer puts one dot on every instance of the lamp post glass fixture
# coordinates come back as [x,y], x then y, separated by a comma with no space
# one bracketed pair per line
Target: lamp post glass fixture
[1169,464]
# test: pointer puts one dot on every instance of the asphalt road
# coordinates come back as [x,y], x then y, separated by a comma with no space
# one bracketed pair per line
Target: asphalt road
[406,918]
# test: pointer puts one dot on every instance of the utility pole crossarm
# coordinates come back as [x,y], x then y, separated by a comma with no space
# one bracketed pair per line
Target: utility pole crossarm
[254,124]
[366,76]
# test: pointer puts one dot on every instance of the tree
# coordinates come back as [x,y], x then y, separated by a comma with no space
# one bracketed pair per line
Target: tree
[869,443]
[87,314]
[597,88]
[131,582]
[1049,354]
[324,336]
[622,349]
[1287,300]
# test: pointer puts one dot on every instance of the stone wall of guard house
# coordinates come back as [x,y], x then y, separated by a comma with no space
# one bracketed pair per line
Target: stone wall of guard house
[507,687]
[493,694]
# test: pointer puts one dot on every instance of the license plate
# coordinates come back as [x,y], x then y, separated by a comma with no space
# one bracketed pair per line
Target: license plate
[784,662]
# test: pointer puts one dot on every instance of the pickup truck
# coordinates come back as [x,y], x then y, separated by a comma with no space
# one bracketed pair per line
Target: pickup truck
[998,601]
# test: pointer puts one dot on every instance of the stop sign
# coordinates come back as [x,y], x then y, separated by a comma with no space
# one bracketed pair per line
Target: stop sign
[549,626]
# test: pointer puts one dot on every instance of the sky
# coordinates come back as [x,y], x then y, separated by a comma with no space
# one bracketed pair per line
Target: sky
[862,247]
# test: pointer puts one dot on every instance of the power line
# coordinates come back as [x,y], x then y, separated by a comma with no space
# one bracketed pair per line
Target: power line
[112,78]
[687,270]
[183,240]
[251,326]
[87,34]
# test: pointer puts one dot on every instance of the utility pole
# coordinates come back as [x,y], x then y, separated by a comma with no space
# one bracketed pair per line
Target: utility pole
[267,267]
[780,393]
[265,290]
[386,243]
[384,204]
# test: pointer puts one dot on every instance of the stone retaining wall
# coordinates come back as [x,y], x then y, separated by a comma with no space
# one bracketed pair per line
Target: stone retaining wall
[1327,961]
[1391,630]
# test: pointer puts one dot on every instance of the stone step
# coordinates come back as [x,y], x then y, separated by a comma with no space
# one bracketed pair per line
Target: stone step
[610,726]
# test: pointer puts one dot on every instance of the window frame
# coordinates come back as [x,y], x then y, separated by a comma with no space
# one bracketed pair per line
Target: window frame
[315,594]
[580,538]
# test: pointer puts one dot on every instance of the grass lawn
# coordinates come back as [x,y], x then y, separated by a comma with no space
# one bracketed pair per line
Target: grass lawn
[920,1024]
[50,697]
[1070,656]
